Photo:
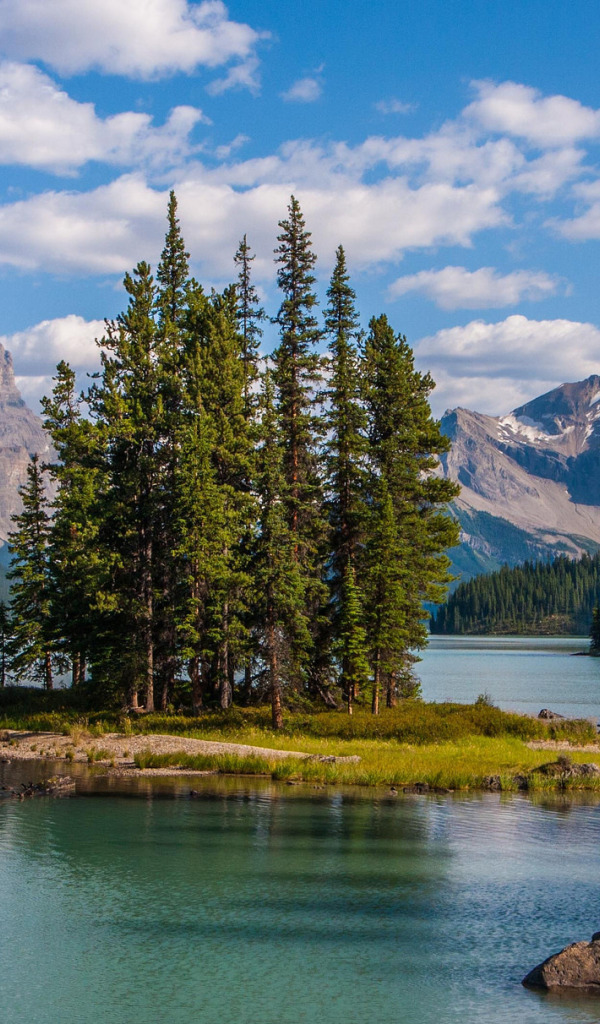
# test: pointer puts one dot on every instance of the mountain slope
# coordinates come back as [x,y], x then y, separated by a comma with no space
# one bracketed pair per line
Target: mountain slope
[21,436]
[530,480]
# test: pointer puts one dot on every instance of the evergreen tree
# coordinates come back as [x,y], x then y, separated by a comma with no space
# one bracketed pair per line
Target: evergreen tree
[172,273]
[77,568]
[388,599]
[127,404]
[279,585]
[595,632]
[249,315]
[345,450]
[33,649]
[404,444]
[215,374]
[171,302]
[351,639]
[5,640]
[298,379]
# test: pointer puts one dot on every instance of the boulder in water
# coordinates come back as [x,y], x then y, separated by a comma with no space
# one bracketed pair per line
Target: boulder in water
[576,967]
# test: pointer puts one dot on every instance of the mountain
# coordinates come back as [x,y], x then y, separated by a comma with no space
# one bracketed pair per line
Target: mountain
[530,480]
[21,436]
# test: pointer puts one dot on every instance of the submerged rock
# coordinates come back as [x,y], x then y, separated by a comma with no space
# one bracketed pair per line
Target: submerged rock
[58,785]
[576,967]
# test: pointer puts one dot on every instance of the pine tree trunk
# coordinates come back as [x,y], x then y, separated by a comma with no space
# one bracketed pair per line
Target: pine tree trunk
[226,694]
[196,681]
[149,619]
[275,683]
[76,669]
[350,697]
[376,684]
[134,700]
[390,697]
[248,681]
[48,681]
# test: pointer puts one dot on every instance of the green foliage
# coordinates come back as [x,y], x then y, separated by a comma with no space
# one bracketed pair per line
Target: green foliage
[210,540]
[543,598]
[595,633]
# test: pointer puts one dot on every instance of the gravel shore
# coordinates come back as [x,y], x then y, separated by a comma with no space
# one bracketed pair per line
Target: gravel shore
[119,750]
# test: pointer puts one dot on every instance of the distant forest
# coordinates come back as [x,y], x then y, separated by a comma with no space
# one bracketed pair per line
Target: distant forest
[535,598]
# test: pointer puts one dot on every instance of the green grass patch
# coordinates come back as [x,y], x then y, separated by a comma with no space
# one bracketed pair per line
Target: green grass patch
[459,765]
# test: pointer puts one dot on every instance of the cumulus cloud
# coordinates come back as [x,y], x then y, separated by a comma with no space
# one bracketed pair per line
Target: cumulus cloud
[140,38]
[494,396]
[523,112]
[459,288]
[37,350]
[304,90]
[42,127]
[106,229]
[515,349]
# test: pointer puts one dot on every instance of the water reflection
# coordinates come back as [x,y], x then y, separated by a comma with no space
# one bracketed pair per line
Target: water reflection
[259,904]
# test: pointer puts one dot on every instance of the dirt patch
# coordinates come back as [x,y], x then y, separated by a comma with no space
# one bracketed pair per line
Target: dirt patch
[119,750]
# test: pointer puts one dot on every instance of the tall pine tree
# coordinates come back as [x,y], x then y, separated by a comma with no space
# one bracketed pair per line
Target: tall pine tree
[298,380]
[33,648]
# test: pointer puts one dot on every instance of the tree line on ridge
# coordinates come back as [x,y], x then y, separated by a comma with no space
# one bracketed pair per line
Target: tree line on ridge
[536,597]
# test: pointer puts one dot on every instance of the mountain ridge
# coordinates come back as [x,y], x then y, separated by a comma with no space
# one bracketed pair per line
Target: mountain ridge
[530,480]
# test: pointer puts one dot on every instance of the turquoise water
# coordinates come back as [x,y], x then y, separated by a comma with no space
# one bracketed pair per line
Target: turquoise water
[522,674]
[267,905]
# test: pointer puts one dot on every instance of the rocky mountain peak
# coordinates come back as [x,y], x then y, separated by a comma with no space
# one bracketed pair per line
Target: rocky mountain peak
[530,479]
[21,436]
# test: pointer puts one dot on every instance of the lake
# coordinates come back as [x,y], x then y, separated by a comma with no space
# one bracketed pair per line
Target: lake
[266,905]
[522,674]
[132,903]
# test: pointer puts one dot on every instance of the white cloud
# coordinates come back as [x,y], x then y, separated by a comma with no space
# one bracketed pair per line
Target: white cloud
[514,349]
[494,396]
[42,127]
[519,110]
[305,90]
[140,38]
[225,151]
[586,225]
[459,288]
[240,76]
[108,229]
[37,350]
[394,106]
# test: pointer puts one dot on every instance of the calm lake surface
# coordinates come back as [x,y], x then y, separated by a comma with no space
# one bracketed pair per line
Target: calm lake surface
[266,904]
[522,674]
[261,905]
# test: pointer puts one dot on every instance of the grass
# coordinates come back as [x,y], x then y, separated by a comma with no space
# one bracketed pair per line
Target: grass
[448,765]
[446,746]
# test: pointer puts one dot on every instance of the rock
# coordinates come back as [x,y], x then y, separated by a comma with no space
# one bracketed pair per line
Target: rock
[332,759]
[576,967]
[58,785]
[492,783]
[549,715]
[521,782]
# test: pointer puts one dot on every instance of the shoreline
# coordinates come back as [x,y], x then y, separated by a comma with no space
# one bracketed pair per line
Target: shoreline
[163,756]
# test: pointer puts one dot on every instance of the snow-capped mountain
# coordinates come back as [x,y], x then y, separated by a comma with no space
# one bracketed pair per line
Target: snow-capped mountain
[530,480]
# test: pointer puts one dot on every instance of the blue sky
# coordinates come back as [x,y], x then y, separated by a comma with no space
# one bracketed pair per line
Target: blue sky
[452,146]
